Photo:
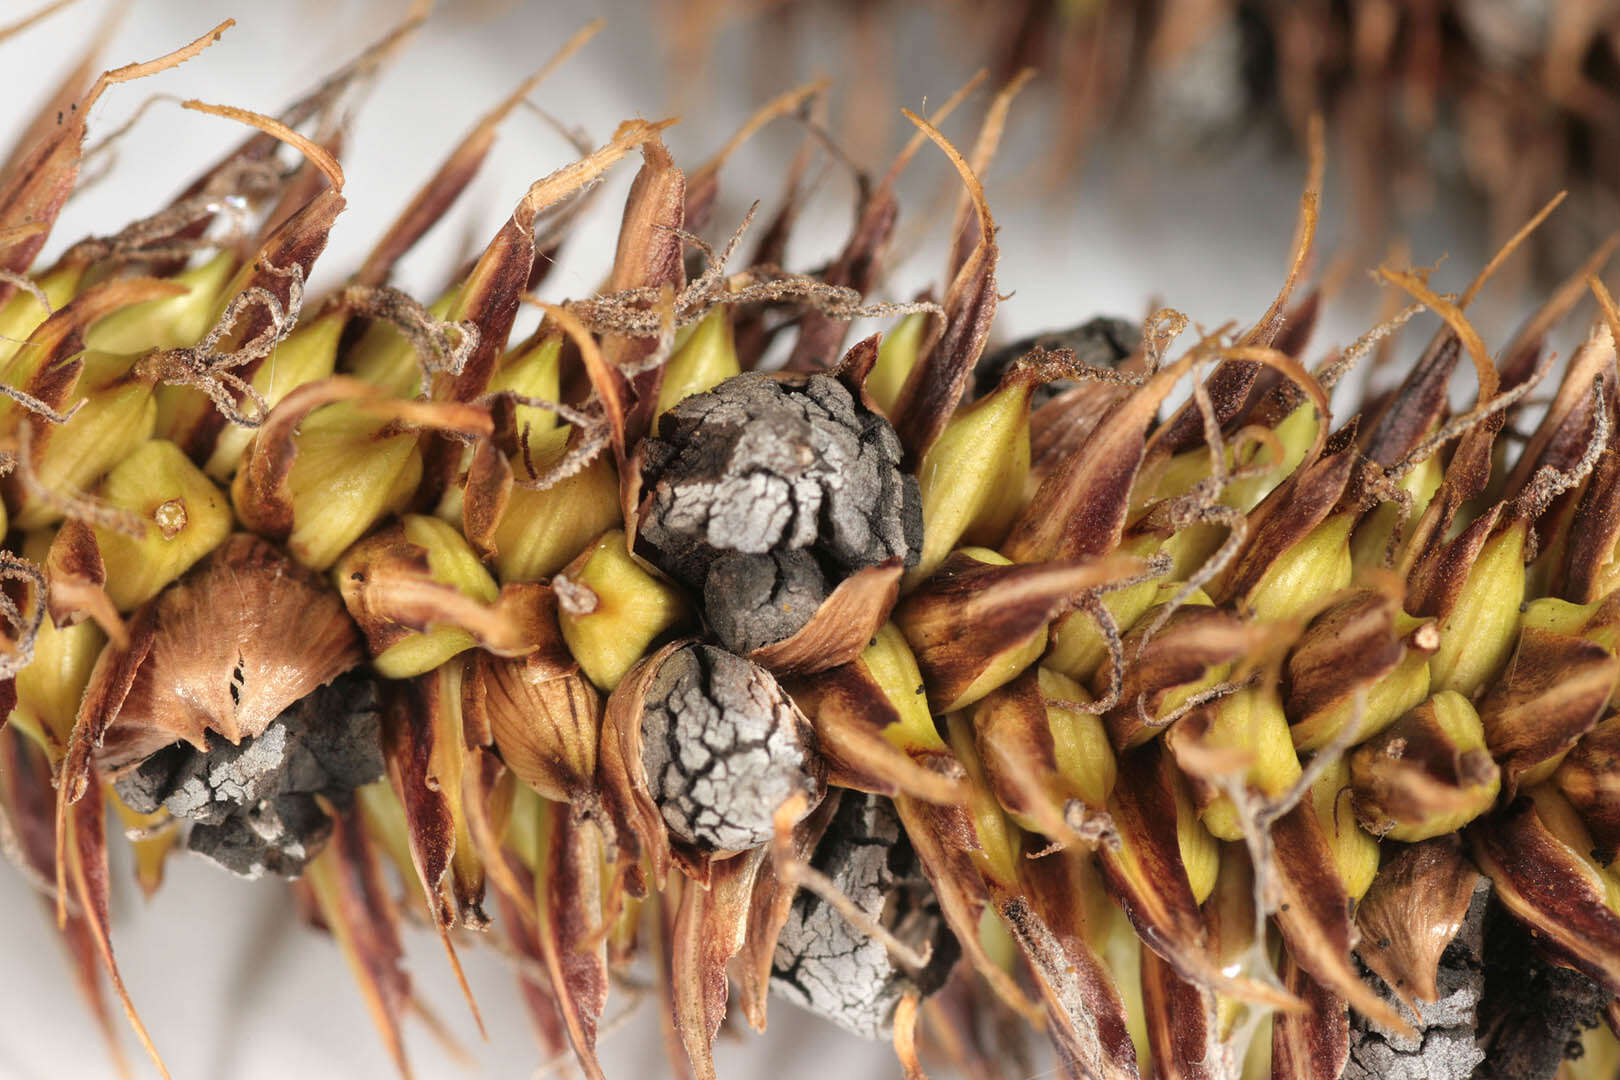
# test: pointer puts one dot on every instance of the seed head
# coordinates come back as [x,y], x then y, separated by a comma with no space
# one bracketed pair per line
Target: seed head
[1168,720]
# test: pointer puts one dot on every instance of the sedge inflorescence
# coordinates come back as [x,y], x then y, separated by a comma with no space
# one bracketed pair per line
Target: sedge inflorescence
[925,684]
[1498,101]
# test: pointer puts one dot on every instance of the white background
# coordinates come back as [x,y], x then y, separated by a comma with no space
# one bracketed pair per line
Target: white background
[228,982]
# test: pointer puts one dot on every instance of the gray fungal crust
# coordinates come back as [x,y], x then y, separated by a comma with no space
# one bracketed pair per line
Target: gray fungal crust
[1444,1047]
[1504,1012]
[724,748]
[1533,1011]
[764,494]
[253,804]
[753,600]
[823,963]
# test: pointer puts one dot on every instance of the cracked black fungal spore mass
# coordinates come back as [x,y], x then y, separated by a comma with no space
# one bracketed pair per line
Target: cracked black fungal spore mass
[253,804]
[1533,1012]
[1102,342]
[764,494]
[723,748]
[1443,1047]
[1504,1012]
[823,963]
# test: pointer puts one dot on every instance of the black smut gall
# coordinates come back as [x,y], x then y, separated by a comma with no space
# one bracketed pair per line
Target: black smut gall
[764,494]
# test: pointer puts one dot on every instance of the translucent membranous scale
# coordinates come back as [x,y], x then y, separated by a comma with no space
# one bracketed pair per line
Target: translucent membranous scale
[764,494]
[1442,1045]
